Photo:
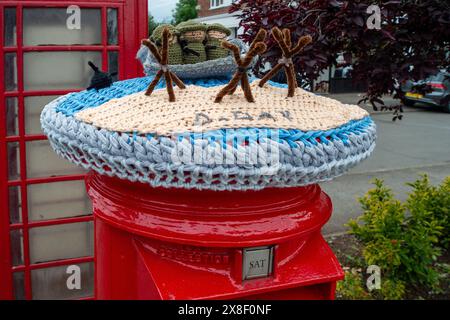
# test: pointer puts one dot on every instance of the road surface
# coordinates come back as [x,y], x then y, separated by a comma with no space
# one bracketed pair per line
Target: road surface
[420,143]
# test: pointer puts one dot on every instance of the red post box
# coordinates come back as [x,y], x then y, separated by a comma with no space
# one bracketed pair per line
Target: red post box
[158,243]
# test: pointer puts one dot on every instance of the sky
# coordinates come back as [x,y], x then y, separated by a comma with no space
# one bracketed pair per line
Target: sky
[161,9]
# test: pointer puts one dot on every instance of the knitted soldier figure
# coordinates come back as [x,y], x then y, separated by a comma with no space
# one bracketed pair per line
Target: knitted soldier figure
[175,51]
[215,34]
[192,36]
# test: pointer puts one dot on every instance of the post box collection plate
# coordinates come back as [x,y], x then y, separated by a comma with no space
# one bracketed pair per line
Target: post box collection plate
[257,262]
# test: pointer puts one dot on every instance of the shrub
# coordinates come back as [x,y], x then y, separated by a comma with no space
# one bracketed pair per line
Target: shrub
[402,239]
[392,289]
[432,204]
[352,287]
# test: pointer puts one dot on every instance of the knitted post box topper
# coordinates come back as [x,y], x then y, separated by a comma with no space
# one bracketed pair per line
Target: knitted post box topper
[215,34]
[175,51]
[192,37]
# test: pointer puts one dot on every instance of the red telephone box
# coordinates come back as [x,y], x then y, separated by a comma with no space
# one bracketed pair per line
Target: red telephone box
[44,52]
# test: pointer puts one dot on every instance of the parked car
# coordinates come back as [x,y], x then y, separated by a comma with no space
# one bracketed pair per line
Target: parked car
[433,91]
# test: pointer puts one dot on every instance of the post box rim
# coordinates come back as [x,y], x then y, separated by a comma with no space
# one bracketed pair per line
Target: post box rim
[122,211]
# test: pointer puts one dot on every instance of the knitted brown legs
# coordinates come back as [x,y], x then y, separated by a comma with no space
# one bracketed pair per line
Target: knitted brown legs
[229,88]
[177,81]
[153,84]
[291,80]
[270,75]
[245,84]
[169,86]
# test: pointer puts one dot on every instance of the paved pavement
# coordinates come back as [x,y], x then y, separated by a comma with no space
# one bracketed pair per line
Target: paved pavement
[420,143]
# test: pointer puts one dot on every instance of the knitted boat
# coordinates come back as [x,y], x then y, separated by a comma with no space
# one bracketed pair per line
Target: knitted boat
[208,69]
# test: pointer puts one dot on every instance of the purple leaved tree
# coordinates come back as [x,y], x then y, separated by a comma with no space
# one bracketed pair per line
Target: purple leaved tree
[387,42]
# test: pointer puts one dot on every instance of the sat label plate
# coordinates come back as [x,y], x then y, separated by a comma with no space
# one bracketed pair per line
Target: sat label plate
[257,262]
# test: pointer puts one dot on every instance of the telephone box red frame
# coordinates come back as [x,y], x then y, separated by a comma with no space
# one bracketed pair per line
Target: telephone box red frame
[132,26]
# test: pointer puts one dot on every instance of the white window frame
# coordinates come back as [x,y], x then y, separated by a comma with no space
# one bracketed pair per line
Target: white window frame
[216,4]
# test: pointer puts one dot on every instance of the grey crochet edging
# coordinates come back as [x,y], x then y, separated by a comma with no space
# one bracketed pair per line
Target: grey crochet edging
[212,68]
[148,160]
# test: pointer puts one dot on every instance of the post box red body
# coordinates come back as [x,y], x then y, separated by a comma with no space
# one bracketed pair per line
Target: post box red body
[160,243]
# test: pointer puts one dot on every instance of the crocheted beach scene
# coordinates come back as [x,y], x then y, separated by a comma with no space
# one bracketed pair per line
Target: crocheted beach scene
[195,111]
[233,132]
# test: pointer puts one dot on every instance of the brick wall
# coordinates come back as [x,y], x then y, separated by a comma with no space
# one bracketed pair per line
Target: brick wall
[206,12]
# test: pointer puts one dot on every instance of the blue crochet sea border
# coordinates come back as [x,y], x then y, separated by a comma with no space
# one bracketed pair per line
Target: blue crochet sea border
[92,98]
[309,138]
[86,99]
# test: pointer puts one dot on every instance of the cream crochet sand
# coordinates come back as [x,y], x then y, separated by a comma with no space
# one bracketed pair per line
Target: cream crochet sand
[195,111]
